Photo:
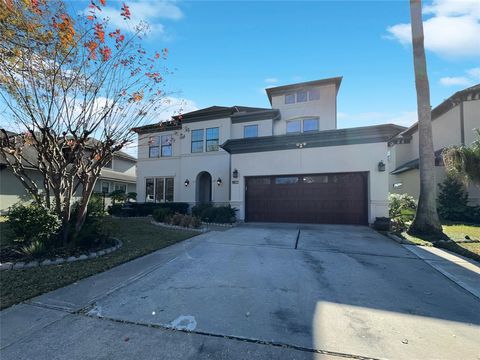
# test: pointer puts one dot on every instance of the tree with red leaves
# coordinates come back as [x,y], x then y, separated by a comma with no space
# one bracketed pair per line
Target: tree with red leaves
[74,94]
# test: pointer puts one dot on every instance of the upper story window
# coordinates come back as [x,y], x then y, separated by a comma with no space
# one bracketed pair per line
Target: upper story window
[305,125]
[294,126]
[212,139]
[302,96]
[310,125]
[290,98]
[154,147]
[160,146]
[197,141]
[166,145]
[250,131]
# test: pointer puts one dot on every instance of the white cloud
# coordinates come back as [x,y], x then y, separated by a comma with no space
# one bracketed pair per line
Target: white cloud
[451,31]
[404,118]
[271,80]
[474,73]
[147,11]
[471,76]
[454,81]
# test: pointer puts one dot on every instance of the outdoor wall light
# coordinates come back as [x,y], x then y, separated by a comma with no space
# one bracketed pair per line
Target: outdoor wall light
[235,174]
[381,166]
[219,181]
[187,182]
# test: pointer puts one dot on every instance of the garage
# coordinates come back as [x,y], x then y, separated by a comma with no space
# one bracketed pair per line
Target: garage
[334,198]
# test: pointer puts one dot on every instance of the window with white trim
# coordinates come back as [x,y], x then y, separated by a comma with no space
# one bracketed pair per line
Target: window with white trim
[159,189]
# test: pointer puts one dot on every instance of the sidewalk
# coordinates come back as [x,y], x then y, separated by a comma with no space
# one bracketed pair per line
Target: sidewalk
[464,272]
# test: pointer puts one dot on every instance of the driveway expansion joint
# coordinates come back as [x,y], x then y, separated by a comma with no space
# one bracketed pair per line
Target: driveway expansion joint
[230,337]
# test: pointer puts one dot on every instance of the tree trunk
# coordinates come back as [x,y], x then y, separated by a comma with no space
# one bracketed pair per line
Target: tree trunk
[86,194]
[426,218]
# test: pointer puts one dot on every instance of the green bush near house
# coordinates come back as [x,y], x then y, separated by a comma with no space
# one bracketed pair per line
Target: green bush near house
[401,210]
[33,224]
[453,202]
[161,214]
[215,214]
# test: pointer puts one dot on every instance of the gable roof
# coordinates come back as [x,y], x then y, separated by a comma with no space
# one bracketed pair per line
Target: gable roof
[292,87]
[337,137]
[470,93]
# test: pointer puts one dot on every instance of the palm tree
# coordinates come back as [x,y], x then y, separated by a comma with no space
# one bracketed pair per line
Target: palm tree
[426,219]
[463,162]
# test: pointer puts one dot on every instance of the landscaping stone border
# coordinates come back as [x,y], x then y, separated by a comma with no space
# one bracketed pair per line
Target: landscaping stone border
[221,225]
[59,260]
[177,227]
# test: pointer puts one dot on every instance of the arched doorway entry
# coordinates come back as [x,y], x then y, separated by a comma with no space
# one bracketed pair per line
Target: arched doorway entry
[204,188]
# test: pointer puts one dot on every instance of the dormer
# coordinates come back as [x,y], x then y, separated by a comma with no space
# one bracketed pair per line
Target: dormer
[305,107]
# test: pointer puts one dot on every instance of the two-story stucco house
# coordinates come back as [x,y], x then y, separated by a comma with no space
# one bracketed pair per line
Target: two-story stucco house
[287,163]
[453,123]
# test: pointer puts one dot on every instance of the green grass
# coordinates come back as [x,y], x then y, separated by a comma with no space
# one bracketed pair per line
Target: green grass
[455,232]
[139,238]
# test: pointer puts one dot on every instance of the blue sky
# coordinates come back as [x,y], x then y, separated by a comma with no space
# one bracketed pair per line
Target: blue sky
[228,52]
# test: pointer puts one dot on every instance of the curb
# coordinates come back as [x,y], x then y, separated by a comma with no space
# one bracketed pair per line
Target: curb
[433,263]
[399,239]
[57,261]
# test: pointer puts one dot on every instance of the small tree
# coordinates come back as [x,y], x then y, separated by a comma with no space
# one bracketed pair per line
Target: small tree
[118,196]
[74,87]
[463,162]
[452,200]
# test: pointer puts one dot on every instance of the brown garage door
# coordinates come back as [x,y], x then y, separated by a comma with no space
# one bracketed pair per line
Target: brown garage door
[312,198]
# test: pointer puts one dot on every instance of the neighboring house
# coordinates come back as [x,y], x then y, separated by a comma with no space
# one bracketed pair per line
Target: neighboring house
[119,174]
[453,123]
[288,163]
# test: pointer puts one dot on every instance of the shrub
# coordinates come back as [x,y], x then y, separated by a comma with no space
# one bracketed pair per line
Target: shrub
[95,206]
[186,221]
[160,214]
[115,210]
[132,196]
[196,222]
[218,214]
[401,210]
[33,223]
[118,196]
[177,219]
[93,233]
[35,249]
[198,210]
[453,202]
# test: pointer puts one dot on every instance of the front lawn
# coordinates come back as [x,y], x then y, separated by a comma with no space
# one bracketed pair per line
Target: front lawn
[456,233]
[139,238]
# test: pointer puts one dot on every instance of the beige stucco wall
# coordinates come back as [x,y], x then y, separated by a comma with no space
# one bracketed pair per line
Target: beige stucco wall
[265,128]
[446,131]
[325,109]
[183,164]
[349,158]
[471,113]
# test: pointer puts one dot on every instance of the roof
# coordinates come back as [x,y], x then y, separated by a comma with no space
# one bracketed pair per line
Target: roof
[337,137]
[471,93]
[236,112]
[413,164]
[107,174]
[285,88]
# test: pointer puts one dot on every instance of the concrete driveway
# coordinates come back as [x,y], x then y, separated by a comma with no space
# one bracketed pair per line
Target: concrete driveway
[257,291]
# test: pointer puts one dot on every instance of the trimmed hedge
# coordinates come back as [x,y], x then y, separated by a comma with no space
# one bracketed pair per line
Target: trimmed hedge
[145,209]
[215,214]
